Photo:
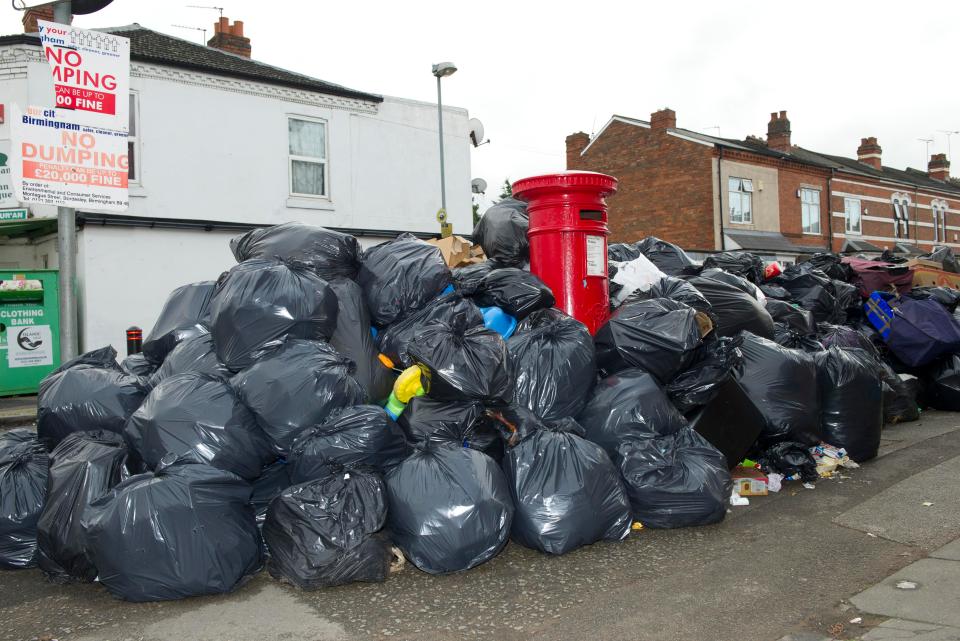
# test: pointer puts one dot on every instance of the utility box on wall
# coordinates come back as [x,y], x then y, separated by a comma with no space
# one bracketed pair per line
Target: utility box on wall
[29,329]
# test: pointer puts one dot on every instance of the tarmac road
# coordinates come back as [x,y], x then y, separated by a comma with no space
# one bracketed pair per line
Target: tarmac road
[786,563]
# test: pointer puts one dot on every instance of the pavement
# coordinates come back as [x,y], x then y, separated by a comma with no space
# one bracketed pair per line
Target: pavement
[16,411]
[798,565]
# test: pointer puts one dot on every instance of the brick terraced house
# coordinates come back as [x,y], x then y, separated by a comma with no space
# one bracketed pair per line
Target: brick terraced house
[777,199]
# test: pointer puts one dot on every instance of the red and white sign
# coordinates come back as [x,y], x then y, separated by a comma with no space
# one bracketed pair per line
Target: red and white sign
[56,160]
[91,73]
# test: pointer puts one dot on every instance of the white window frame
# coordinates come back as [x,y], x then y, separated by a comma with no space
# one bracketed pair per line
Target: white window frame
[939,209]
[901,216]
[847,210]
[135,137]
[743,193]
[805,211]
[325,161]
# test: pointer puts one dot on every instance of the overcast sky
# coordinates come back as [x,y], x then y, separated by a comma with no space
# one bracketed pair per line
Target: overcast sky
[534,72]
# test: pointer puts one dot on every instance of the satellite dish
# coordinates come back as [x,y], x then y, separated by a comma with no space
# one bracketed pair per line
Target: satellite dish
[83,7]
[476,132]
[478,186]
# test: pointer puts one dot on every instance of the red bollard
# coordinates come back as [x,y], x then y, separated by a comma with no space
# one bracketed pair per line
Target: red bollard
[568,239]
[134,340]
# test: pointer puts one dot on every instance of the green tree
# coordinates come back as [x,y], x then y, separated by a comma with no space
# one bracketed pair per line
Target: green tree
[476,213]
[507,190]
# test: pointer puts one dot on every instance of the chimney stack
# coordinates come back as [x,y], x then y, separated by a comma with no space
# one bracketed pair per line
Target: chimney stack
[869,152]
[39,12]
[663,119]
[229,37]
[939,167]
[778,132]
[576,143]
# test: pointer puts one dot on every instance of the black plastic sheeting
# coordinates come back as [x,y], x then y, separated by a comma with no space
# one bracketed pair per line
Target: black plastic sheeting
[322,533]
[782,384]
[698,384]
[515,291]
[851,401]
[734,307]
[941,384]
[262,302]
[199,414]
[659,335]
[467,279]
[463,424]
[566,491]
[401,276]
[743,264]
[462,495]
[23,488]
[183,315]
[195,354]
[356,436]
[86,394]
[462,363]
[502,232]
[82,468]
[451,308]
[328,253]
[353,340]
[629,405]
[669,258]
[295,387]
[554,366]
[183,531]
[678,480]
[796,318]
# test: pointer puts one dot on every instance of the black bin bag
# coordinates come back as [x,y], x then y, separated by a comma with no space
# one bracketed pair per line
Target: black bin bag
[463,496]
[516,292]
[941,384]
[730,421]
[462,424]
[697,385]
[185,530]
[199,414]
[899,396]
[784,335]
[502,232]
[261,302]
[554,366]
[86,394]
[782,385]
[851,401]
[462,363]
[734,308]
[295,387]
[324,532]
[353,340]
[268,486]
[846,337]
[401,276]
[23,488]
[659,335]
[138,365]
[675,289]
[668,258]
[83,467]
[623,252]
[467,279]
[450,308]
[195,354]
[796,318]
[679,480]
[355,436]
[743,264]
[811,289]
[328,253]
[629,405]
[183,315]
[566,491]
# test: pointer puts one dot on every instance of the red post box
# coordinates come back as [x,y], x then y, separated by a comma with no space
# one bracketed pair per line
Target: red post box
[568,239]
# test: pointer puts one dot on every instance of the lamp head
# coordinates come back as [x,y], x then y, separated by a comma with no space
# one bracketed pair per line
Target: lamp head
[444,69]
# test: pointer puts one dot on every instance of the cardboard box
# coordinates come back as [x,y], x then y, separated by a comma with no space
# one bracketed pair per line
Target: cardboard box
[456,250]
[750,481]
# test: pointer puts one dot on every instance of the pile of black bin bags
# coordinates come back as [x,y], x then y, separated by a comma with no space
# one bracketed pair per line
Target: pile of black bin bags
[253,432]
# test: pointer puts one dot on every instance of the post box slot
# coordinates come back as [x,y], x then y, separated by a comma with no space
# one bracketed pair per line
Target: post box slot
[591,214]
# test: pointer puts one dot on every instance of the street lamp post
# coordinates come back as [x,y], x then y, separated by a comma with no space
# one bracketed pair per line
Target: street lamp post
[442,70]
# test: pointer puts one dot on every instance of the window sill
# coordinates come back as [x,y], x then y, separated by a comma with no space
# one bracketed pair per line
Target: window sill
[812,233]
[853,233]
[749,224]
[296,202]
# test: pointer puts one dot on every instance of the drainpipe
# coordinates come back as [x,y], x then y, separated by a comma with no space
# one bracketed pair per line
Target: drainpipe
[916,215]
[830,212]
[723,241]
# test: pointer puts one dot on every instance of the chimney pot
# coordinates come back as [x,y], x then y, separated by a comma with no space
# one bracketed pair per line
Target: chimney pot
[778,132]
[238,28]
[230,38]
